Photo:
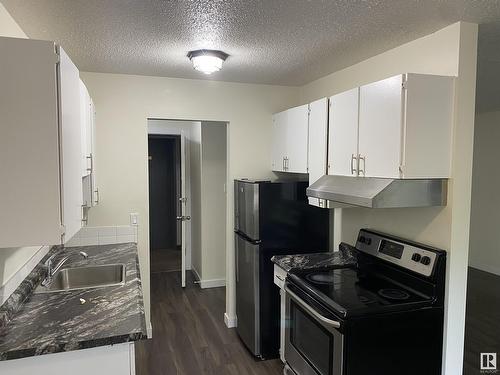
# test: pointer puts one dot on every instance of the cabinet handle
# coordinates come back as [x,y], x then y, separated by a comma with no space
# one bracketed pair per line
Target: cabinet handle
[362,158]
[84,218]
[354,170]
[91,163]
[280,278]
[286,163]
[97,196]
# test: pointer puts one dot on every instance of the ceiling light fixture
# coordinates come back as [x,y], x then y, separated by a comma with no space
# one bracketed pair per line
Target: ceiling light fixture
[206,60]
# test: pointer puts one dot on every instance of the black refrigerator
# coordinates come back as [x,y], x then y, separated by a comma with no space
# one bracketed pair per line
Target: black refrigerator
[271,218]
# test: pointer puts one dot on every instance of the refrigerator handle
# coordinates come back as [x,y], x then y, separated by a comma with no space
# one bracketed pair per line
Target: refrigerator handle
[237,261]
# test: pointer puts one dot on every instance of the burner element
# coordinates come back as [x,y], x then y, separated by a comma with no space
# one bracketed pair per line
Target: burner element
[394,294]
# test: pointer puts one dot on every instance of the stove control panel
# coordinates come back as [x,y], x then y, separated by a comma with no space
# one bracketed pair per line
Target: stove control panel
[403,254]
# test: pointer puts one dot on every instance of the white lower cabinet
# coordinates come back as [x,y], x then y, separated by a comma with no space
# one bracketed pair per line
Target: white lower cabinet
[110,360]
[279,280]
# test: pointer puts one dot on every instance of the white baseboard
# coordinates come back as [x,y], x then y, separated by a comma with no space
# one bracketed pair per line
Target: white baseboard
[230,322]
[485,267]
[149,330]
[214,283]
[205,284]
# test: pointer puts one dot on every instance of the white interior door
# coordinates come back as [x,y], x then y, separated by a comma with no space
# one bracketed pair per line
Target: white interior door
[185,216]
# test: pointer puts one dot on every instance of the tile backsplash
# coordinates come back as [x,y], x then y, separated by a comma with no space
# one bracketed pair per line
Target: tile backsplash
[88,236]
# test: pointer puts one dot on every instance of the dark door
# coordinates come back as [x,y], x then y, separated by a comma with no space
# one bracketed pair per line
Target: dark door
[162,193]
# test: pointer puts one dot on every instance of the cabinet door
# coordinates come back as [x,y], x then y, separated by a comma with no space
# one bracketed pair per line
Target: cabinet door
[71,145]
[343,133]
[317,149]
[278,142]
[85,129]
[380,128]
[95,187]
[29,146]
[297,139]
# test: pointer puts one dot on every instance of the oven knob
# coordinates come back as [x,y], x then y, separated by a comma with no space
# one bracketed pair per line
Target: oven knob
[416,257]
[426,261]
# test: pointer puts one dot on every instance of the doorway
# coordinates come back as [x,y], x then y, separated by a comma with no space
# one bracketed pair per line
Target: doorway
[164,157]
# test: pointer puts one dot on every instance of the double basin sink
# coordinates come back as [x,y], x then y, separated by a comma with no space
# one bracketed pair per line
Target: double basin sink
[84,278]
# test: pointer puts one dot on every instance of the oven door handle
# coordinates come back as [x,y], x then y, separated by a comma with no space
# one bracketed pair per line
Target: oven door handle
[305,306]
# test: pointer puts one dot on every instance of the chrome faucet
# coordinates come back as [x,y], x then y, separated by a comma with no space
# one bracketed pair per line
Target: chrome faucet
[51,269]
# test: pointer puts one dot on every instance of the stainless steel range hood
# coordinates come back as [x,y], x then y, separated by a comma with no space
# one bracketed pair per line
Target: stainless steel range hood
[342,191]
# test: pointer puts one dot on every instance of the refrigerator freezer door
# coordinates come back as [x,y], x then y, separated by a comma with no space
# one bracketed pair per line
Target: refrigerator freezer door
[247,293]
[246,196]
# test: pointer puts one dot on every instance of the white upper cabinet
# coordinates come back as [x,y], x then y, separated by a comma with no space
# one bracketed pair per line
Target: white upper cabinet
[279,138]
[400,127]
[289,140]
[297,139]
[343,133]
[381,127]
[89,179]
[40,144]
[71,148]
[317,149]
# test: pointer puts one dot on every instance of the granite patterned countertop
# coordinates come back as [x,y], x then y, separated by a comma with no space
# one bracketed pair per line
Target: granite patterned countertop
[36,324]
[344,257]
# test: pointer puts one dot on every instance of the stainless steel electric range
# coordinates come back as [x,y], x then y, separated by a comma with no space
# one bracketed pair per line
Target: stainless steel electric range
[382,316]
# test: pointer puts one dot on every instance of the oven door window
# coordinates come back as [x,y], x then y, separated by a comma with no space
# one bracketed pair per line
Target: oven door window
[311,340]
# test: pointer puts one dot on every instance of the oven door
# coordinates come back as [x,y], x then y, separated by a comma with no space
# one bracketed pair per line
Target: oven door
[313,343]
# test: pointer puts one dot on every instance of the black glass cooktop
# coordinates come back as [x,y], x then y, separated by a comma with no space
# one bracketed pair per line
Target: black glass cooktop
[350,291]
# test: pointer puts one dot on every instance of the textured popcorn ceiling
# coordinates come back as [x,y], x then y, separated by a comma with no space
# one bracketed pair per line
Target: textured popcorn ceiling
[287,42]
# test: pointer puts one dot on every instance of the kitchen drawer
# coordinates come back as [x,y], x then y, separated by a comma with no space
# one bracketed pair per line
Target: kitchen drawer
[279,276]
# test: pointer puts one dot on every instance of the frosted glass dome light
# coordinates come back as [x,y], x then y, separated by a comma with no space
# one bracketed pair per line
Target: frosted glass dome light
[207,61]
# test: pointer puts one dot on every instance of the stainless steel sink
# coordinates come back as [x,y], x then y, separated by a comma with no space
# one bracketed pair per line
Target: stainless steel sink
[85,277]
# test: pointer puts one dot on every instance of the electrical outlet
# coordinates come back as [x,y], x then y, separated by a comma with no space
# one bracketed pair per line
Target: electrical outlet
[134,219]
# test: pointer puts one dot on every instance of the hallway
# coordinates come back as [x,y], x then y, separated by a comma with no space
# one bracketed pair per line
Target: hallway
[189,335]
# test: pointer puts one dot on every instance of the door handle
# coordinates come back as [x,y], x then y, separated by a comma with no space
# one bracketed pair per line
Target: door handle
[183,218]
[313,312]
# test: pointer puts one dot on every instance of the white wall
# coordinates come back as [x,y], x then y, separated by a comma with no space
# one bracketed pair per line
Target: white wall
[123,105]
[485,212]
[450,51]
[12,259]
[213,200]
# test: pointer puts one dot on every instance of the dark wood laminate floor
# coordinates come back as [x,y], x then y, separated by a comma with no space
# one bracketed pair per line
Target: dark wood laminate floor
[165,260]
[482,321]
[189,335]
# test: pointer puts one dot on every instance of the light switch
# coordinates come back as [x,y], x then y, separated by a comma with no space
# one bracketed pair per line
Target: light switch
[134,218]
